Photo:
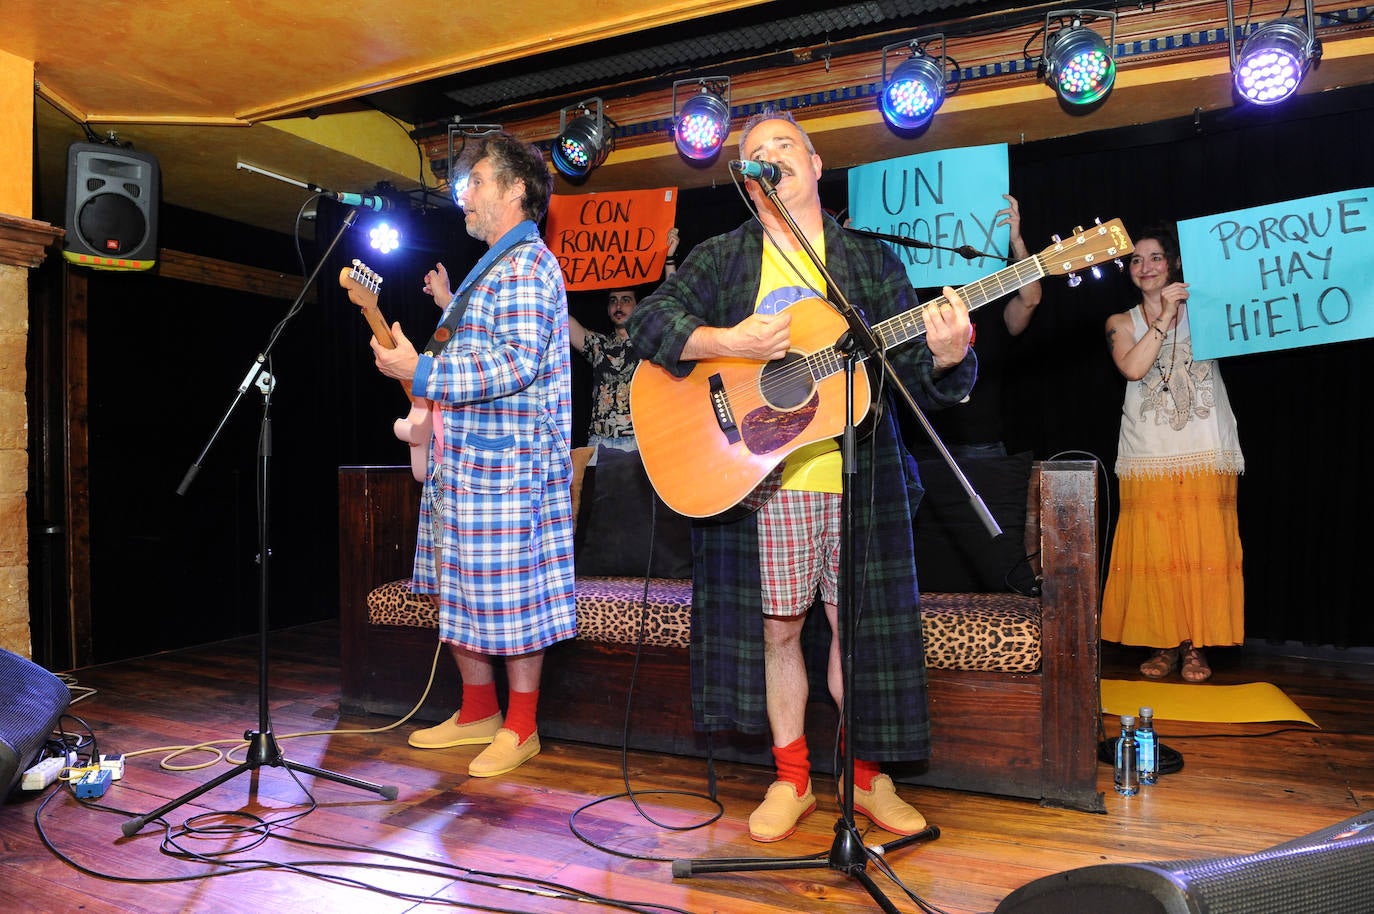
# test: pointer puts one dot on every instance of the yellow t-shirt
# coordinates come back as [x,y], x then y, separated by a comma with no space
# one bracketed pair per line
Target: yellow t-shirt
[814,467]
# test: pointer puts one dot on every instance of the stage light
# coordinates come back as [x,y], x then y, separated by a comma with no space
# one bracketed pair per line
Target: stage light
[384,237]
[1078,64]
[917,87]
[1272,61]
[700,128]
[583,140]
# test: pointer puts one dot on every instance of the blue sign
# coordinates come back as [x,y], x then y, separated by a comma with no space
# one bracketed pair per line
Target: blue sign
[948,198]
[1281,276]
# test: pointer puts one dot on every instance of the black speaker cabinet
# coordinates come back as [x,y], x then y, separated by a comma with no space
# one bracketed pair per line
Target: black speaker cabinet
[1327,872]
[31,702]
[112,198]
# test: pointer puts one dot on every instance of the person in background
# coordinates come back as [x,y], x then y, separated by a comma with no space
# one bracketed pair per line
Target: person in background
[1174,582]
[974,428]
[755,578]
[613,362]
[495,543]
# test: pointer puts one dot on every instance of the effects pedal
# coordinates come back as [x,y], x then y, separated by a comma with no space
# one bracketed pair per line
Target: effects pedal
[92,785]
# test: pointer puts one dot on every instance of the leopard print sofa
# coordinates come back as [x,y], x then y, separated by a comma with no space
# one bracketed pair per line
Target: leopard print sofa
[963,631]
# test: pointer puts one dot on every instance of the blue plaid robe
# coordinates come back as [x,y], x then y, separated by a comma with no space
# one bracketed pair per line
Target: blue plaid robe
[495,541]
[717,286]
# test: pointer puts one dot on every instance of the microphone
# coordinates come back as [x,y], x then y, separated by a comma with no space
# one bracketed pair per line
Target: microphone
[377,204]
[757,169]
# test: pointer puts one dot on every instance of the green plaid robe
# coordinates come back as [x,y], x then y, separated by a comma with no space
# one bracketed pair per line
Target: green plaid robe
[717,286]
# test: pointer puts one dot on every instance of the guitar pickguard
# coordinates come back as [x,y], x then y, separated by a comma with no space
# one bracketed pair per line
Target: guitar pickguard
[766,430]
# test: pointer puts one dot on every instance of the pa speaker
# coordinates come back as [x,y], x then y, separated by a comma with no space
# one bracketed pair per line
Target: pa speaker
[1327,872]
[112,198]
[32,702]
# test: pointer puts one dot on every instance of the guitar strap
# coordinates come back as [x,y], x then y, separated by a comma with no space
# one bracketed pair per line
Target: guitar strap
[445,331]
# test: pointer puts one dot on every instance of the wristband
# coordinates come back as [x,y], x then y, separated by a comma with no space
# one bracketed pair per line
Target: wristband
[1161,333]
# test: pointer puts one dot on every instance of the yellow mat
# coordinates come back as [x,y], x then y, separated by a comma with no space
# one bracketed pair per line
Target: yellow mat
[1255,701]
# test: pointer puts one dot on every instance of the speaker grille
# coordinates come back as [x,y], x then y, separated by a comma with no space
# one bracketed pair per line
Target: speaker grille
[34,700]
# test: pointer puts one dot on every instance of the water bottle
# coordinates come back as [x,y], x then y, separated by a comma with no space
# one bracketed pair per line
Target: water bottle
[1147,747]
[1127,773]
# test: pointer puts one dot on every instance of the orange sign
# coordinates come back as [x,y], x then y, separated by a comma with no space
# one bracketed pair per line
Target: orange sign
[611,240]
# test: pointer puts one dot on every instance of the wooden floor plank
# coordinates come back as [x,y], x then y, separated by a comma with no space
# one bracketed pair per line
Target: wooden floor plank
[1243,788]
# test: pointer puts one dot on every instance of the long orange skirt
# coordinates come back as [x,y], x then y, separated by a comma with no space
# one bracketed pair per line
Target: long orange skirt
[1175,573]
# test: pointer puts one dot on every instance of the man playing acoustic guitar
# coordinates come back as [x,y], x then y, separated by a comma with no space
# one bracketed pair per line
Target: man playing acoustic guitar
[757,577]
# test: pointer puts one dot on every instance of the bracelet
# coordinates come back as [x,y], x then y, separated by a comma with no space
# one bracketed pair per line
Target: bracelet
[670,261]
[1156,329]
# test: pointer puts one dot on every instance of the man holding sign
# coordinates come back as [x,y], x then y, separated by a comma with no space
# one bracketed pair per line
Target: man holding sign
[613,362]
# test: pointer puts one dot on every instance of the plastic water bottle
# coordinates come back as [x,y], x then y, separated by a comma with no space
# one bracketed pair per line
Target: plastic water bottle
[1147,747]
[1127,772]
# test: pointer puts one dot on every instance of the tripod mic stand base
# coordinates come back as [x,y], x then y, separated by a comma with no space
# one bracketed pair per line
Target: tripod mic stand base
[262,751]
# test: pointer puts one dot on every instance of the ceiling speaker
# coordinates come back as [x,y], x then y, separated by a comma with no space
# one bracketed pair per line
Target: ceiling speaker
[112,200]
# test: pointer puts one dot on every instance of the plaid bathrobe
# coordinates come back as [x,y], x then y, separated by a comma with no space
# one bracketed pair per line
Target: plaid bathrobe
[496,540]
[717,286]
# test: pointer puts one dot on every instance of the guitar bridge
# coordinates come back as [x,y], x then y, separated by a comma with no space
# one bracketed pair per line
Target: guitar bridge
[720,404]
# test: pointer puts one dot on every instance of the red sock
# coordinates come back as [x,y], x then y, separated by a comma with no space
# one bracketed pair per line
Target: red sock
[479,702]
[520,714]
[794,764]
[864,773]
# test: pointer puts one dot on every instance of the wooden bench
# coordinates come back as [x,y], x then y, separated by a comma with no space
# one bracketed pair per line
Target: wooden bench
[1030,731]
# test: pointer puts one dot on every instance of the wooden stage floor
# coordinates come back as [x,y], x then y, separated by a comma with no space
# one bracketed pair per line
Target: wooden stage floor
[506,844]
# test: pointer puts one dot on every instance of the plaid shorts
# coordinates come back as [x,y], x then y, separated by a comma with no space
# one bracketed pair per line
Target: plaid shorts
[799,549]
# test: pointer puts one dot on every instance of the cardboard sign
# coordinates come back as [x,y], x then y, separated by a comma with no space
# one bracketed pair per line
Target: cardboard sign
[1281,276]
[611,240]
[948,198]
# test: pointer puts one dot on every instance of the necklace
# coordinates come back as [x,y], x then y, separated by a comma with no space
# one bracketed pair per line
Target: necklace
[1164,376]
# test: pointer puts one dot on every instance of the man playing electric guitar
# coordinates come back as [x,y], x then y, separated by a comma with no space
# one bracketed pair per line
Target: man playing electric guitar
[757,577]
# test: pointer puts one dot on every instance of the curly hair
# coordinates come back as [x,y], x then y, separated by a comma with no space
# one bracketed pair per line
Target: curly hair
[1168,242]
[512,160]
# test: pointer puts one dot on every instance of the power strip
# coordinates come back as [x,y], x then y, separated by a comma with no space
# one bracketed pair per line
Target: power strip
[44,773]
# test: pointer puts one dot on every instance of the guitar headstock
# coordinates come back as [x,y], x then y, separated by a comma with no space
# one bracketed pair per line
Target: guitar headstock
[1086,249]
[362,284]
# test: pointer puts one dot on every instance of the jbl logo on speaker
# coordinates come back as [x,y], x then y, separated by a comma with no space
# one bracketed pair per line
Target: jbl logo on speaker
[112,200]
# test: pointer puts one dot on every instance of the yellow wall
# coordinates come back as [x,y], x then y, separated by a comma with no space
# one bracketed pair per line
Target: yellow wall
[16,136]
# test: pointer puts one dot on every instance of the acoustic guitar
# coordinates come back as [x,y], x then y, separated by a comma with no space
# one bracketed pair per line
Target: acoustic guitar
[417,428]
[708,439]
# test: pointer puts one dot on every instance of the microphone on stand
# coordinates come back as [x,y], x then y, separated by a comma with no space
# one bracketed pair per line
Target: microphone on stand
[374,202]
[757,170]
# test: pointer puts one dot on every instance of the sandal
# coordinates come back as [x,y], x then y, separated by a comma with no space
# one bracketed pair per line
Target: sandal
[1161,663]
[1195,668]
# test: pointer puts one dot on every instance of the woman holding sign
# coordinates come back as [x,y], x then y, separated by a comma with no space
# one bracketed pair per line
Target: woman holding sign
[1174,582]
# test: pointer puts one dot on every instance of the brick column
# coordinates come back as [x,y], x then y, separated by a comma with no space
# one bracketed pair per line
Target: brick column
[23,245]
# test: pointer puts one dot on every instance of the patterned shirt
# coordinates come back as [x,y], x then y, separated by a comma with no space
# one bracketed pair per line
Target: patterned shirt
[613,362]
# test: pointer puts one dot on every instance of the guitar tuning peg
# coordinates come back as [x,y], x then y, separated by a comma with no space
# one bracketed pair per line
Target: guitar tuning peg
[1097,220]
[1057,239]
[1074,280]
[1078,229]
[1097,272]
[1120,267]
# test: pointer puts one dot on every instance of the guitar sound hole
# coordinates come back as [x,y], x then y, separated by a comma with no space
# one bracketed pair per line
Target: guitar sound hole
[786,384]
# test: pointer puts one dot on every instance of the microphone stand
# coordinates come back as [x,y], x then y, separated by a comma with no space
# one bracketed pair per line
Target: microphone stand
[262,745]
[966,251]
[847,854]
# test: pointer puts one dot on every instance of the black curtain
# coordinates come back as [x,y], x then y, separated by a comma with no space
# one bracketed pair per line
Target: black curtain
[166,358]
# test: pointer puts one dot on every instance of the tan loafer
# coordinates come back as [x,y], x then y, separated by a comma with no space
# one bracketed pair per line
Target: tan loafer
[781,810]
[887,810]
[451,733]
[504,754]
